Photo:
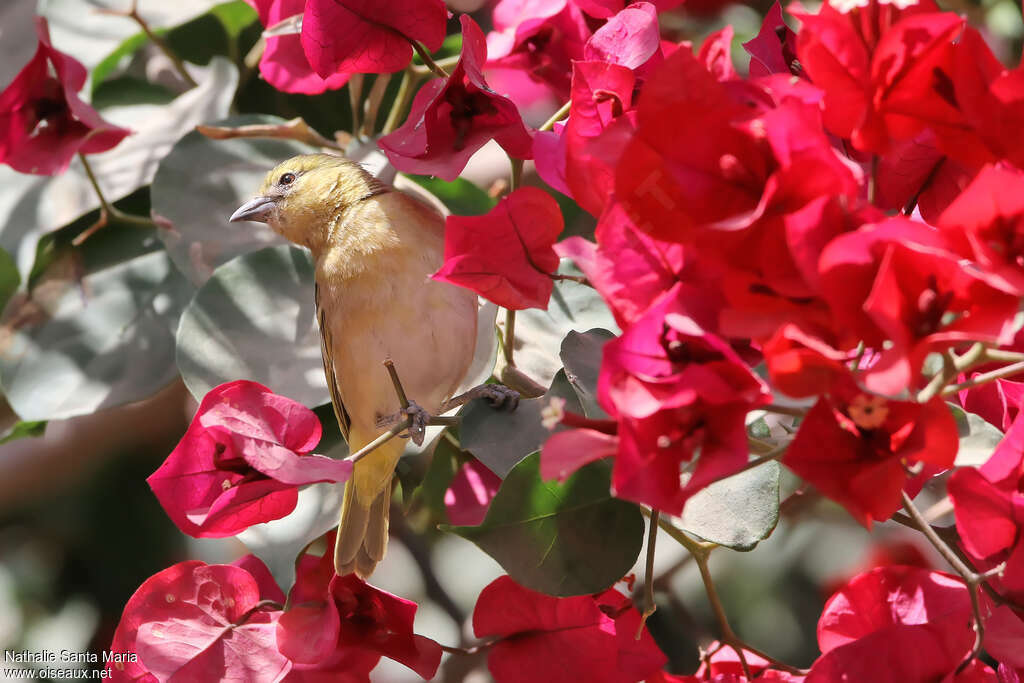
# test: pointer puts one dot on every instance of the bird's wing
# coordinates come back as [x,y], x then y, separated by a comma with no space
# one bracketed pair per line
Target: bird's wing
[332,382]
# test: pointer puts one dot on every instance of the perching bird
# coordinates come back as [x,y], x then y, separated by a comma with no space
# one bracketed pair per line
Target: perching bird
[374,249]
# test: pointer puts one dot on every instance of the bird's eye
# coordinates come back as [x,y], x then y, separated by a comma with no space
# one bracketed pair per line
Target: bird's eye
[286,179]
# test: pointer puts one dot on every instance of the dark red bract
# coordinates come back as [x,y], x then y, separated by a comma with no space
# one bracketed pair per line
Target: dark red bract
[506,256]
[590,638]
[366,36]
[452,118]
[43,122]
[241,461]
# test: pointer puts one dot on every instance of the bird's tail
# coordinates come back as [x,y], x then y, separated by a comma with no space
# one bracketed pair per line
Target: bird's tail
[363,529]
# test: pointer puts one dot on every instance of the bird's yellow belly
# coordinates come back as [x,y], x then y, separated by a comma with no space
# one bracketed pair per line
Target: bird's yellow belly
[427,328]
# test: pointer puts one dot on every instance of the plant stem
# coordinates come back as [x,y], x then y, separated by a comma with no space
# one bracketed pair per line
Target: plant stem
[701,551]
[105,206]
[434,67]
[649,605]
[107,210]
[562,112]
[510,336]
[468,650]
[295,129]
[402,99]
[379,441]
[355,94]
[985,378]
[516,177]
[373,101]
[159,42]
[970,577]
[785,410]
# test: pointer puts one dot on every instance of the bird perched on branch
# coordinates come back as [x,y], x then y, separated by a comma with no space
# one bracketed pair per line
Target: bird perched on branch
[374,249]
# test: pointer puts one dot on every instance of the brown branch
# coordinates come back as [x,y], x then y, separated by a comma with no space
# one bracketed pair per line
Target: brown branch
[701,552]
[649,605]
[159,42]
[970,577]
[434,67]
[295,129]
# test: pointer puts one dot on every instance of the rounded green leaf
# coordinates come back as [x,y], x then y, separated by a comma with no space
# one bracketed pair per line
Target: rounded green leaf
[978,438]
[500,439]
[559,539]
[738,511]
[254,319]
[539,333]
[201,182]
[581,355]
[96,340]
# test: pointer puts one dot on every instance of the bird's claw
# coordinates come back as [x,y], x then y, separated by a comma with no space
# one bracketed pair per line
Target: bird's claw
[418,418]
[498,396]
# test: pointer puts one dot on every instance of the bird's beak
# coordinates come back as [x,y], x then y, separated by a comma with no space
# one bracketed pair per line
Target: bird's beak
[256,209]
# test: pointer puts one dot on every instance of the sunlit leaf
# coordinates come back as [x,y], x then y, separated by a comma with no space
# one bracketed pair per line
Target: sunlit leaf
[254,319]
[559,539]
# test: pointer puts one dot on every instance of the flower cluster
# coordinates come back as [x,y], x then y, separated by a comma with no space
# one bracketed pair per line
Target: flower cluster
[836,236]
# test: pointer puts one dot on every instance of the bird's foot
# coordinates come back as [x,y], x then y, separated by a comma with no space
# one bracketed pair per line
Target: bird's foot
[418,418]
[497,395]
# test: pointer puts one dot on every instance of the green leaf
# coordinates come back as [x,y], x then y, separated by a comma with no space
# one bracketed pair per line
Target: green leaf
[462,197]
[235,16]
[978,438]
[102,71]
[500,439]
[560,539]
[97,331]
[738,511]
[10,279]
[538,333]
[90,36]
[254,319]
[32,206]
[201,182]
[438,478]
[22,430]
[581,355]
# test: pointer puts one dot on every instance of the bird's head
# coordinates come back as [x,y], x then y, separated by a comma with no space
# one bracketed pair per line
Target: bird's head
[302,196]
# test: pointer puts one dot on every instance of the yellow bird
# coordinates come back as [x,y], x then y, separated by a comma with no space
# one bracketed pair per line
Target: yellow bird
[374,249]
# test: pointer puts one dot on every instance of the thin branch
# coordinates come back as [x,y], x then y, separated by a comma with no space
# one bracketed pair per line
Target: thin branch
[701,551]
[295,129]
[468,650]
[649,605]
[970,577]
[403,400]
[516,177]
[380,441]
[108,211]
[579,279]
[406,88]
[999,355]
[562,112]
[159,42]
[373,102]
[510,336]
[985,378]
[445,64]
[434,67]
[785,410]
[355,94]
